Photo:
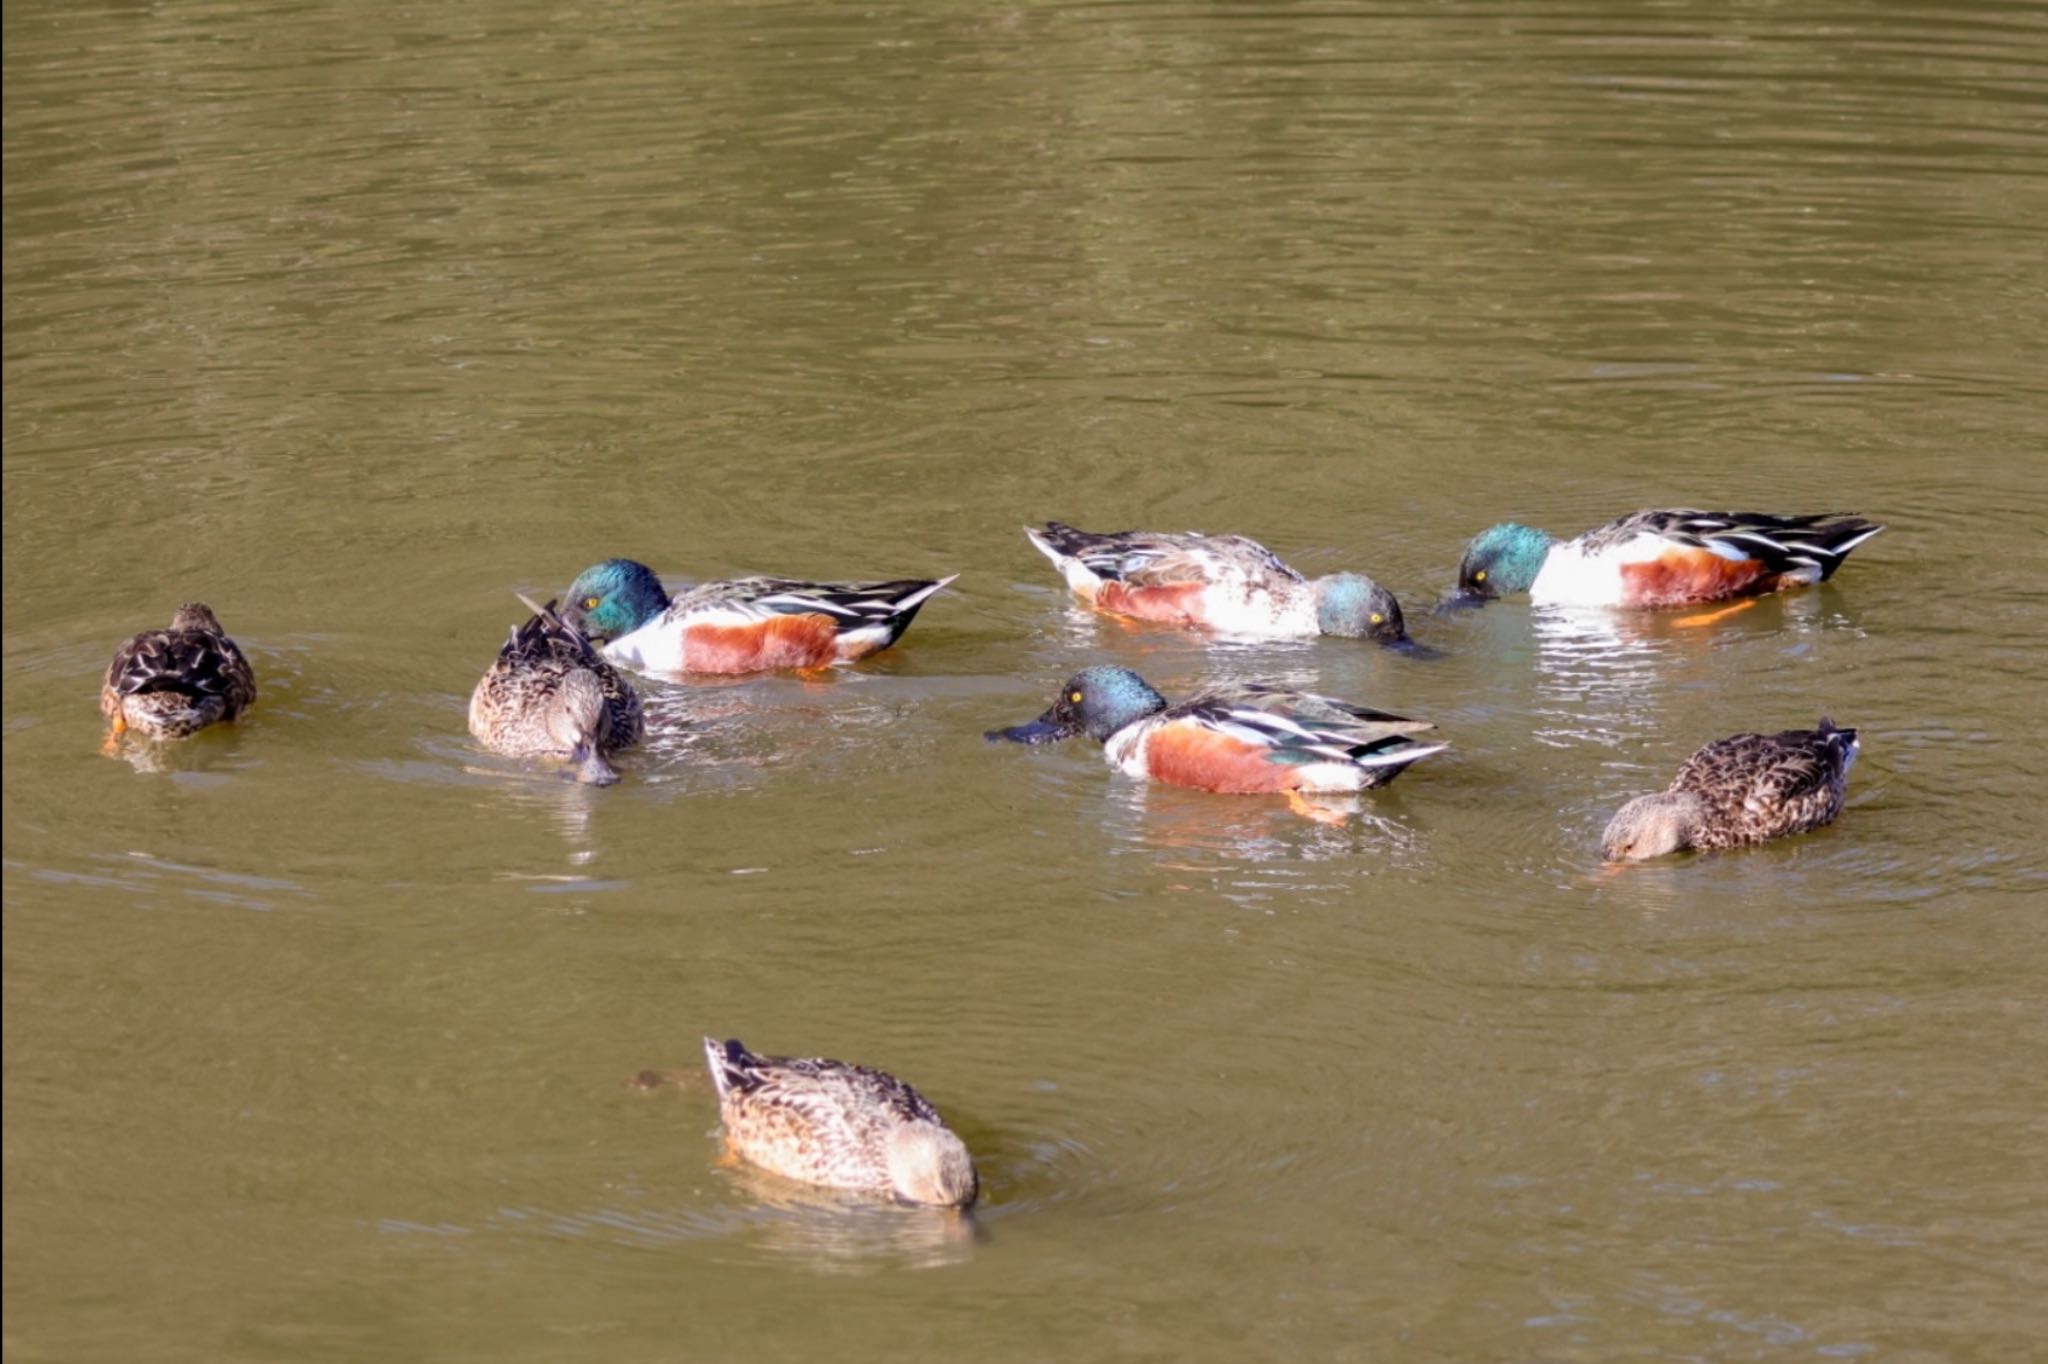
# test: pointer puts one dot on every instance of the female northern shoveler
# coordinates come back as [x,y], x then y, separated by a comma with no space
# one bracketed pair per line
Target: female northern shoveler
[1220,582]
[838,1125]
[166,684]
[742,625]
[1743,789]
[1244,738]
[1660,558]
[550,695]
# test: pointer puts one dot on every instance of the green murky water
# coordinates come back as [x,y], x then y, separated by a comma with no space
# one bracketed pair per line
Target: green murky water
[317,1031]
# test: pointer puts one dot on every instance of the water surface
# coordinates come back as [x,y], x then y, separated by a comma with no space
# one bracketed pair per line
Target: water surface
[318,1031]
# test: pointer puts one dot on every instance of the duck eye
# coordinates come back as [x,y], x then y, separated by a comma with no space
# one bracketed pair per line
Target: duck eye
[1074,697]
[1480,576]
[590,603]
[1378,619]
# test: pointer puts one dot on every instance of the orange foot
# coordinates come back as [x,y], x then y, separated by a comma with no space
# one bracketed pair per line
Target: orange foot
[1309,809]
[1709,617]
[112,745]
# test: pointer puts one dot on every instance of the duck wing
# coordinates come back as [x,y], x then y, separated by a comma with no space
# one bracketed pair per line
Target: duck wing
[198,662]
[1157,558]
[1812,547]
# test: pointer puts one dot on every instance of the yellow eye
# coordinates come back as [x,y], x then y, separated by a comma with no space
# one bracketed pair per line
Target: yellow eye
[590,603]
[1480,576]
[1075,697]
[1378,619]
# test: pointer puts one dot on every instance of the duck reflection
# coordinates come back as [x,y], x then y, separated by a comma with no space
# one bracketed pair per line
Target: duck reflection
[1252,850]
[838,1232]
[1599,672]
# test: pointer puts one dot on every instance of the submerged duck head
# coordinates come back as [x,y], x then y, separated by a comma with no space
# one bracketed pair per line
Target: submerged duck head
[1353,606]
[1651,826]
[1096,701]
[613,599]
[1502,558]
[928,1164]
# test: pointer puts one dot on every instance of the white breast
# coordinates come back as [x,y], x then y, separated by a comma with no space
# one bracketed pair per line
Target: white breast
[1125,750]
[1571,576]
[1235,605]
[654,647]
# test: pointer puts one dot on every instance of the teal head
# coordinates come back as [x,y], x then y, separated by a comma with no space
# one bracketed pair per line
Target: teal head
[1505,558]
[1096,701]
[1353,606]
[613,599]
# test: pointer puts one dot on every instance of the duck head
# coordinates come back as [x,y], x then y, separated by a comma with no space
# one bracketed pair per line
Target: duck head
[1651,826]
[1353,606]
[613,599]
[1096,701]
[928,1164]
[1502,558]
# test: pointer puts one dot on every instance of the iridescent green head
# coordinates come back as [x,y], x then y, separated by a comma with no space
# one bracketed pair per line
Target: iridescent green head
[1096,701]
[1505,558]
[613,599]
[1355,607]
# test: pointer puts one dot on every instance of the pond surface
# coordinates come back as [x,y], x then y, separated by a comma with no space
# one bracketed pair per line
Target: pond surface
[318,1030]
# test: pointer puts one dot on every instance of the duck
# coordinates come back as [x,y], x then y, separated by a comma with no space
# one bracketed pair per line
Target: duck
[739,625]
[1225,583]
[1674,557]
[839,1126]
[550,694]
[1747,788]
[1244,738]
[174,682]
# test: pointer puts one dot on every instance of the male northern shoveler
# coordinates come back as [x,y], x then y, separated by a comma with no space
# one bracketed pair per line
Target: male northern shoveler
[1661,558]
[838,1125]
[742,625]
[1743,789]
[1218,582]
[1244,738]
[549,694]
[166,684]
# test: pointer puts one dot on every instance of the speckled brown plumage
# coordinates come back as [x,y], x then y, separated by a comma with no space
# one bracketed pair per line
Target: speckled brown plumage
[1743,789]
[550,694]
[166,684]
[837,1125]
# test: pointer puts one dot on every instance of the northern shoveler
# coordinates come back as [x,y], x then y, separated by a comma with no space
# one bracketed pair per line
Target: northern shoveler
[838,1125]
[1244,738]
[1217,582]
[1738,790]
[1660,558]
[166,684]
[549,694]
[742,625]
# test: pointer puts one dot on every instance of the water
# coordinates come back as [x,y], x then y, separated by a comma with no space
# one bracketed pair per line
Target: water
[319,1031]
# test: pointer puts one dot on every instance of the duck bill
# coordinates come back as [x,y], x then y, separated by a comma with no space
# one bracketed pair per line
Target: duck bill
[591,768]
[1046,729]
[1407,646]
[1464,599]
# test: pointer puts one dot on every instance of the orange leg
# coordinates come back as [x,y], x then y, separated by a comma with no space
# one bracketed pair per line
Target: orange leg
[114,733]
[1709,617]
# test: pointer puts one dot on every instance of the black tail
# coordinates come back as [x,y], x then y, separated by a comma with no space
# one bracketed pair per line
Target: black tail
[1067,541]
[1787,542]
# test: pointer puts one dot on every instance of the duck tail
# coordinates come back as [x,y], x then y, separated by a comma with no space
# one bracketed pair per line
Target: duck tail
[731,1064]
[1810,547]
[1389,760]
[1841,740]
[1058,540]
